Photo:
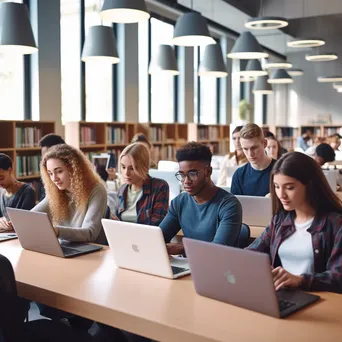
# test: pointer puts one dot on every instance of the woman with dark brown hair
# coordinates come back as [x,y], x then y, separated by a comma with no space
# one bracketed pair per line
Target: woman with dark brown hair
[273,148]
[304,238]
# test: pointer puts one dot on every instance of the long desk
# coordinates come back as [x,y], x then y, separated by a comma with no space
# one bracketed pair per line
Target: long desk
[162,309]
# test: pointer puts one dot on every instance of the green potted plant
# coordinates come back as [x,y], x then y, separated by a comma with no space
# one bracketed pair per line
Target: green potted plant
[244,108]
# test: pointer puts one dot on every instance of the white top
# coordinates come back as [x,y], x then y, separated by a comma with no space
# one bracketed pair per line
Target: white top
[296,252]
[130,214]
[228,167]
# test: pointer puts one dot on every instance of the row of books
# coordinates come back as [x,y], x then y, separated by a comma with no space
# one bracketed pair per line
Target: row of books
[28,136]
[28,165]
[286,132]
[332,130]
[206,133]
[156,134]
[87,135]
[116,135]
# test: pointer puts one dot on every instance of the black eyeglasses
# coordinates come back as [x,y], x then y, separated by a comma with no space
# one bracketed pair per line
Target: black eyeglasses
[192,175]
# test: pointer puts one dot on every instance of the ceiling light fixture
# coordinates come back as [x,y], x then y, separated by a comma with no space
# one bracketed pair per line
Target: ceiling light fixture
[124,11]
[253,69]
[337,85]
[16,34]
[295,72]
[261,86]
[305,43]
[245,79]
[100,45]
[191,29]
[278,65]
[321,57]
[212,63]
[266,23]
[247,47]
[164,61]
[280,76]
[329,79]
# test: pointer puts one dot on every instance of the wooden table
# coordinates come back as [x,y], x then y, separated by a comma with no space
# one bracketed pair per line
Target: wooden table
[162,309]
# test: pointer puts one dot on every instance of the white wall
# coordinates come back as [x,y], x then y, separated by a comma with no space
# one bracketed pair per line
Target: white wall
[307,98]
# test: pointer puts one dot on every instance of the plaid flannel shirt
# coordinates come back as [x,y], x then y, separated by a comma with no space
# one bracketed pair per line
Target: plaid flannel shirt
[153,205]
[326,233]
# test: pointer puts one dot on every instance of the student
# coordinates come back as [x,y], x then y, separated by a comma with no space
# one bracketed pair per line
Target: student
[334,141]
[76,198]
[304,238]
[236,158]
[269,134]
[324,154]
[273,148]
[253,178]
[143,199]
[13,194]
[310,151]
[141,138]
[50,140]
[204,211]
[302,141]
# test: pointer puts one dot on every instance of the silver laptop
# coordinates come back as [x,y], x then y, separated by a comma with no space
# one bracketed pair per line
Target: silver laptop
[7,236]
[242,278]
[142,248]
[256,210]
[331,176]
[36,233]
[170,178]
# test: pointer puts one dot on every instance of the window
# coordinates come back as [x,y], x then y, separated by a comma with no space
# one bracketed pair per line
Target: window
[99,75]
[143,52]
[11,85]
[206,94]
[70,60]
[162,85]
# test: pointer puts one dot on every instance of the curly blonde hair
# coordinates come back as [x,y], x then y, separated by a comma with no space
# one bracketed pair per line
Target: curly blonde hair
[83,178]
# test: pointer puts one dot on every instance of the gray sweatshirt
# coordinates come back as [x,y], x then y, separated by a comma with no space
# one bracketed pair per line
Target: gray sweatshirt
[86,226]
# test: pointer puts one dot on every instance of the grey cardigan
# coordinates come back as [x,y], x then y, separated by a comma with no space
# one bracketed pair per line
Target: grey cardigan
[82,226]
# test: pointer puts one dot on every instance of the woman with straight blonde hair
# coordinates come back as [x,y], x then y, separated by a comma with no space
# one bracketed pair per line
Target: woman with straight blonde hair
[143,199]
[76,198]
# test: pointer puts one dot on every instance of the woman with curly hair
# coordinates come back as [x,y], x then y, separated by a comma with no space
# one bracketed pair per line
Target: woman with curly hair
[76,198]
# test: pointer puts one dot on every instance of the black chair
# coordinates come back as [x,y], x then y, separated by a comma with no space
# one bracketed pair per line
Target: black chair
[244,237]
[13,311]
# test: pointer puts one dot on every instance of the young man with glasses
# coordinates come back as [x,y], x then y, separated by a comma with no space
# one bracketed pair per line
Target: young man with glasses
[253,178]
[204,211]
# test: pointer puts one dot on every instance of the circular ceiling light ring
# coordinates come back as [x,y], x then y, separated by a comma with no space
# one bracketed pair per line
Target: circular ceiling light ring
[266,23]
[280,65]
[295,72]
[321,57]
[305,43]
[329,79]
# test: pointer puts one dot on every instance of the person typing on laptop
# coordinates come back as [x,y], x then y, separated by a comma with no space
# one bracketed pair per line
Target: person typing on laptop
[76,198]
[204,211]
[304,237]
[13,194]
[252,179]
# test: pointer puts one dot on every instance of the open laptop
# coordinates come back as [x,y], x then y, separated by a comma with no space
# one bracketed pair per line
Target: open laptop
[331,176]
[7,236]
[242,278]
[256,210]
[170,178]
[36,233]
[142,248]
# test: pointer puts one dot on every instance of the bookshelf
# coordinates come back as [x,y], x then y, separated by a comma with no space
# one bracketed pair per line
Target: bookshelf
[20,141]
[215,136]
[96,137]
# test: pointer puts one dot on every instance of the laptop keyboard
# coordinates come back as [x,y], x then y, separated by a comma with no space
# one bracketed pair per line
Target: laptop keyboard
[284,304]
[70,251]
[177,270]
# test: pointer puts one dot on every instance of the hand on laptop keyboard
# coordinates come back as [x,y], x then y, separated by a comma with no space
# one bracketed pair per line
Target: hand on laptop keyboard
[283,278]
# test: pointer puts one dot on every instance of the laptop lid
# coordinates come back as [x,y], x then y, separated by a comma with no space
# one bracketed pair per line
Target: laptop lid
[240,277]
[256,210]
[35,231]
[170,178]
[138,247]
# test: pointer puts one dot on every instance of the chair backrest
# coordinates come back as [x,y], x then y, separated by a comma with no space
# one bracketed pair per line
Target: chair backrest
[168,165]
[244,237]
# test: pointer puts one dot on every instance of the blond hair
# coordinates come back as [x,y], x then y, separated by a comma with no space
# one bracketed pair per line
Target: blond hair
[140,158]
[83,179]
[251,131]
